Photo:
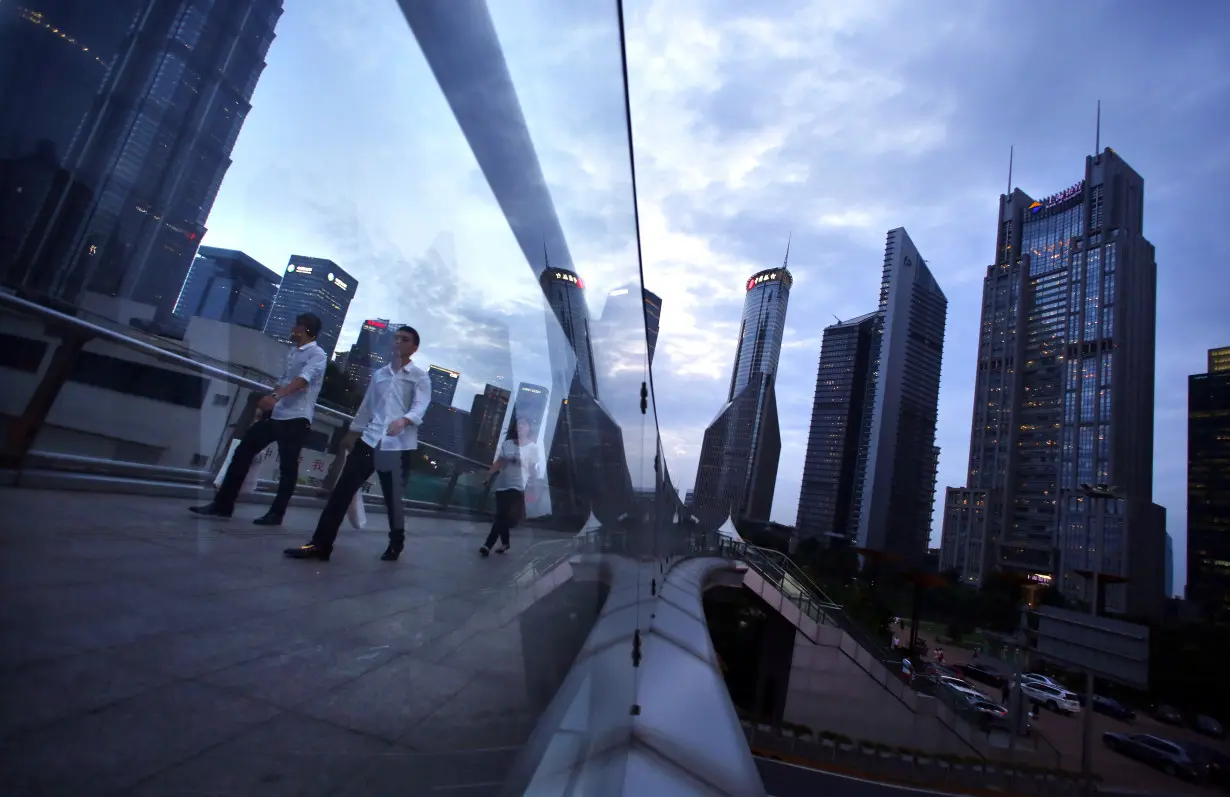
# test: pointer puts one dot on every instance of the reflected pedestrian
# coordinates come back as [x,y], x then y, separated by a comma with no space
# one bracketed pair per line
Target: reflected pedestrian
[387,430]
[287,420]
[509,474]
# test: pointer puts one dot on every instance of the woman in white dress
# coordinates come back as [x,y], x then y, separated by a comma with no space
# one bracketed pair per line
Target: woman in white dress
[517,461]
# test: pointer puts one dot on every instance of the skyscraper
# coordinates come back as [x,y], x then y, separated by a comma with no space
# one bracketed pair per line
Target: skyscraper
[531,405]
[370,351]
[737,472]
[826,494]
[312,285]
[229,286]
[1064,390]
[624,314]
[1208,487]
[487,413]
[115,133]
[443,384]
[894,484]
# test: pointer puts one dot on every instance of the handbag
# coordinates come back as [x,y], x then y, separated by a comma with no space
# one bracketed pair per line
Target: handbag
[356,513]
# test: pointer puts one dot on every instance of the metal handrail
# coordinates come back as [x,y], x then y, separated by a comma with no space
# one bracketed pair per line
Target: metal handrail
[97,330]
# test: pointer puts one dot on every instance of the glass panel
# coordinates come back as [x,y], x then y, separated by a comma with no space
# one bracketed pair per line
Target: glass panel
[416,224]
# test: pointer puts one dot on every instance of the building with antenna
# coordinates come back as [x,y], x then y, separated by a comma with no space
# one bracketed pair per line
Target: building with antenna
[739,456]
[1063,396]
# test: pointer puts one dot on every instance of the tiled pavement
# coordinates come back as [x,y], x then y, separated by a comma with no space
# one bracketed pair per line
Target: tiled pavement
[144,651]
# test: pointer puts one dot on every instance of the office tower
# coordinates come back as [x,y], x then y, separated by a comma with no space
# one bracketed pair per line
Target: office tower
[1208,487]
[443,384]
[893,491]
[372,350]
[530,405]
[446,427]
[1169,572]
[487,412]
[1064,391]
[229,286]
[568,333]
[312,285]
[836,425]
[623,314]
[116,130]
[738,458]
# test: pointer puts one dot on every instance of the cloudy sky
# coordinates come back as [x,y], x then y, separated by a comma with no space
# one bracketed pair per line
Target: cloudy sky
[829,121]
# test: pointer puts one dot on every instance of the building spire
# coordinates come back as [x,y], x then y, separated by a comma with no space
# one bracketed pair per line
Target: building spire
[545,258]
[786,259]
[1097,136]
[1011,151]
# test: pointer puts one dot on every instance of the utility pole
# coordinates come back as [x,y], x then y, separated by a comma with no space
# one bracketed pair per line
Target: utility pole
[1097,496]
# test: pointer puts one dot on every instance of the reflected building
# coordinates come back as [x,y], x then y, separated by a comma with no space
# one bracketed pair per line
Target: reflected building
[1064,392]
[371,350]
[1208,487]
[739,456]
[312,285]
[893,492]
[443,384]
[531,406]
[116,130]
[487,413]
[829,466]
[228,286]
[445,427]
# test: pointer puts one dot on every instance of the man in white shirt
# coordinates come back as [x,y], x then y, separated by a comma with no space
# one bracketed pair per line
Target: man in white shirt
[387,428]
[287,420]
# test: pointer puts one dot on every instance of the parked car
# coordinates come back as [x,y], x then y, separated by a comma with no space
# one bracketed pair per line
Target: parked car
[1055,698]
[1113,708]
[1170,757]
[958,684]
[1218,764]
[1167,714]
[1039,678]
[983,674]
[1208,726]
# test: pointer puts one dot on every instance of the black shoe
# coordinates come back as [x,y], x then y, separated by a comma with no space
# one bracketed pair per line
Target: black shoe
[210,510]
[390,554]
[484,551]
[268,519]
[309,551]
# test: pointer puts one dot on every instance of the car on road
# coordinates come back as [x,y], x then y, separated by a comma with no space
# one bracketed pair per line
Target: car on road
[1113,708]
[983,674]
[958,684]
[1208,726]
[1167,714]
[1170,757]
[1039,678]
[1218,764]
[1056,698]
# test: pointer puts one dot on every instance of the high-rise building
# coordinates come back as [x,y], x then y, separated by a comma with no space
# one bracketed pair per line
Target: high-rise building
[530,405]
[826,494]
[1063,395]
[893,493]
[312,285]
[229,286]
[371,348]
[1169,575]
[443,384]
[487,413]
[446,427]
[625,315]
[737,472]
[1208,487]
[116,130]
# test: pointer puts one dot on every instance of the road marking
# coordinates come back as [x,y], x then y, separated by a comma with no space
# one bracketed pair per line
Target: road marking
[881,783]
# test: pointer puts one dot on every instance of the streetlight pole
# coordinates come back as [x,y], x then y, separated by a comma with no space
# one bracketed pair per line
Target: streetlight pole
[1093,493]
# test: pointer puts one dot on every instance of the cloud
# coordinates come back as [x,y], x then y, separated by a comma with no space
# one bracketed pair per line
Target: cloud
[829,122]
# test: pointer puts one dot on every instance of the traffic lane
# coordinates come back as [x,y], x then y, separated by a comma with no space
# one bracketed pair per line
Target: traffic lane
[1117,771]
[791,780]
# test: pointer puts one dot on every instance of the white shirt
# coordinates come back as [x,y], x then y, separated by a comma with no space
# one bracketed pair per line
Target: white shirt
[519,463]
[393,394]
[307,361]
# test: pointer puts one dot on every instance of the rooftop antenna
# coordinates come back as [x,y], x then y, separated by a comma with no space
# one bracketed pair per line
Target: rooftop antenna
[786,260]
[1097,136]
[1011,151]
[838,320]
[545,258]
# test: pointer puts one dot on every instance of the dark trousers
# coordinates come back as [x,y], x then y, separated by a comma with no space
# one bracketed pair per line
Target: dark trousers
[360,464]
[509,509]
[290,436]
